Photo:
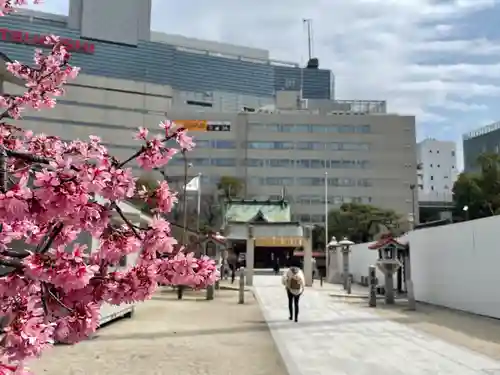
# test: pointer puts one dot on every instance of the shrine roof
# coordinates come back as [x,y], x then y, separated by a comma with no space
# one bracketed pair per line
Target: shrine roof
[253,211]
[385,241]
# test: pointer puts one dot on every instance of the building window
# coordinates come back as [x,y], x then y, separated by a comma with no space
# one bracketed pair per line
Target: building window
[199,162]
[280,163]
[317,164]
[271,145]
[341,182]
[302,163]
[202,144]
[256,163]
[365,182]
[432,187]
[302,129]
[364,129]
[432,178]
[223,144]
[453,153]
[279,181]
[310,181]
[224,162]
[310,146]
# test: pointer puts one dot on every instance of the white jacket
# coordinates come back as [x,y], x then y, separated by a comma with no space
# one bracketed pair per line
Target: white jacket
[287,276]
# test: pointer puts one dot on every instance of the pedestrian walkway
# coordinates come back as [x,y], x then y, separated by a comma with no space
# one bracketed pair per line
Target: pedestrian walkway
[335,338]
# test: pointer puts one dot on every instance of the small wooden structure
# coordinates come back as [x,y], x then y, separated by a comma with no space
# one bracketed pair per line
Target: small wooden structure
[393,257]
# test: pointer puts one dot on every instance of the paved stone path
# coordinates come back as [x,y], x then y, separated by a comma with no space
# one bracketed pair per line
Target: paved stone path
[334,338]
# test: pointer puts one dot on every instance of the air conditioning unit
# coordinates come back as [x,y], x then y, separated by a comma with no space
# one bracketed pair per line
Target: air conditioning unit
[304,103]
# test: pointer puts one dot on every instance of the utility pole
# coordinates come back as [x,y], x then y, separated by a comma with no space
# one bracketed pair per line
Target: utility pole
[308,23]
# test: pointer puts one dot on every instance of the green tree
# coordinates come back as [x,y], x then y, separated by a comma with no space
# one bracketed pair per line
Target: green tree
[318,237]
[355,221]
[479,191]
[231,187]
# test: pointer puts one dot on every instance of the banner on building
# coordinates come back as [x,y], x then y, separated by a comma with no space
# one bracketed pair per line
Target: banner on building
[204,125]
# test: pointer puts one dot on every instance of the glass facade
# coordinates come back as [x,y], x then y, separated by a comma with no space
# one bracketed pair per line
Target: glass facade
[161,63]
[475,146]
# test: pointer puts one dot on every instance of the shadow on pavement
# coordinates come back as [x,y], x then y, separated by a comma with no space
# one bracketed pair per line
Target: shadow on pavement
[252,326]
[476,332]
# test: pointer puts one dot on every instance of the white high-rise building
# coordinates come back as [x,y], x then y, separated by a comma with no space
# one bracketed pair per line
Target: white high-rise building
[437,170]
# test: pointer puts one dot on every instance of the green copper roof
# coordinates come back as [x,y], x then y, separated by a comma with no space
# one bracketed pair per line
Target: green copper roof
[268,211]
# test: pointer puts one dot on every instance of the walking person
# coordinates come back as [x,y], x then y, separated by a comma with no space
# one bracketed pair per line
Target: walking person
[294,282]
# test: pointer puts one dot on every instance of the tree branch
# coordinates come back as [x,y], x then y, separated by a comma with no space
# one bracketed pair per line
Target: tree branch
[3,169]
[127,221]
[28,157]
[51,237]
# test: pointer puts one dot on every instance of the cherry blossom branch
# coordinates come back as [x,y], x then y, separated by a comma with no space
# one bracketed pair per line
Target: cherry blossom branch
[27,157]
[3,169]
[50,237]
[127,221]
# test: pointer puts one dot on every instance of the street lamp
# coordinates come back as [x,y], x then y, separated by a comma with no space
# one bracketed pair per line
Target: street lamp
[345,246]
[465,209]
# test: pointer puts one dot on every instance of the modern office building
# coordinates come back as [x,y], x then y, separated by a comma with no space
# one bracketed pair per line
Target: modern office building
[480,141]
[437,170]
[216,76]
[271,124]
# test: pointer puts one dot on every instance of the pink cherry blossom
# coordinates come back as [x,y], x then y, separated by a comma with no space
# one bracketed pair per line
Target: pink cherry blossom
[58,192]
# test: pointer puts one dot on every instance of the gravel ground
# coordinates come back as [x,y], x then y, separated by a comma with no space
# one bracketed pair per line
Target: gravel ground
[477,333]
[167,336]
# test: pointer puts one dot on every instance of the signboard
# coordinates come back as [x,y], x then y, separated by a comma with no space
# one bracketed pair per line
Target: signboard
[39,40]
[204,125]
[278,241]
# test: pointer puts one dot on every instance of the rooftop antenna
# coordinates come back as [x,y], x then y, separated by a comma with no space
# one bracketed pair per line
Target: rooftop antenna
[308,23]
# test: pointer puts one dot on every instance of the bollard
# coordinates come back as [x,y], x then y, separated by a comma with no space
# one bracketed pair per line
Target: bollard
[241,297]
[372,280]
[321,280]
[210,292]
[180,291]
[349,284]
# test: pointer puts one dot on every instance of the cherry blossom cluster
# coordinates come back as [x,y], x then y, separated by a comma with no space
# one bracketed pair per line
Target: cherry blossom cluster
[51,192]
[9,6]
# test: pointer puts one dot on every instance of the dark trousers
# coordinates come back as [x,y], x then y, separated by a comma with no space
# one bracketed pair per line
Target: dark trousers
[233,274]
[293,305]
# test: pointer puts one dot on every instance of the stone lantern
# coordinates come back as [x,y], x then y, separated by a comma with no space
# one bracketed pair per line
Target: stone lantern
[388,262]
[333,272]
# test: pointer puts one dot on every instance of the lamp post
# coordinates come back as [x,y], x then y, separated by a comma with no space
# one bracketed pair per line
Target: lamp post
[345,246]
[465,209]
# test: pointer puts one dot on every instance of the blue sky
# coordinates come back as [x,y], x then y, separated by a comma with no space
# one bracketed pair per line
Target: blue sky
[438,60]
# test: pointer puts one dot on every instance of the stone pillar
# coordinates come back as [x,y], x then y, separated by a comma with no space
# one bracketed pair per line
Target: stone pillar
[333,267]
[241,292]
[372,280]
[389,287]
[308,267]
[250,256]
[345,267]
[410,293]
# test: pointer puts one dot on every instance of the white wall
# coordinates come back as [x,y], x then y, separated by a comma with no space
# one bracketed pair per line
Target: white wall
[457,266]
[360,259]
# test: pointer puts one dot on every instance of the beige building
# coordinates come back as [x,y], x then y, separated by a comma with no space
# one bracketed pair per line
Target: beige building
[369,156]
